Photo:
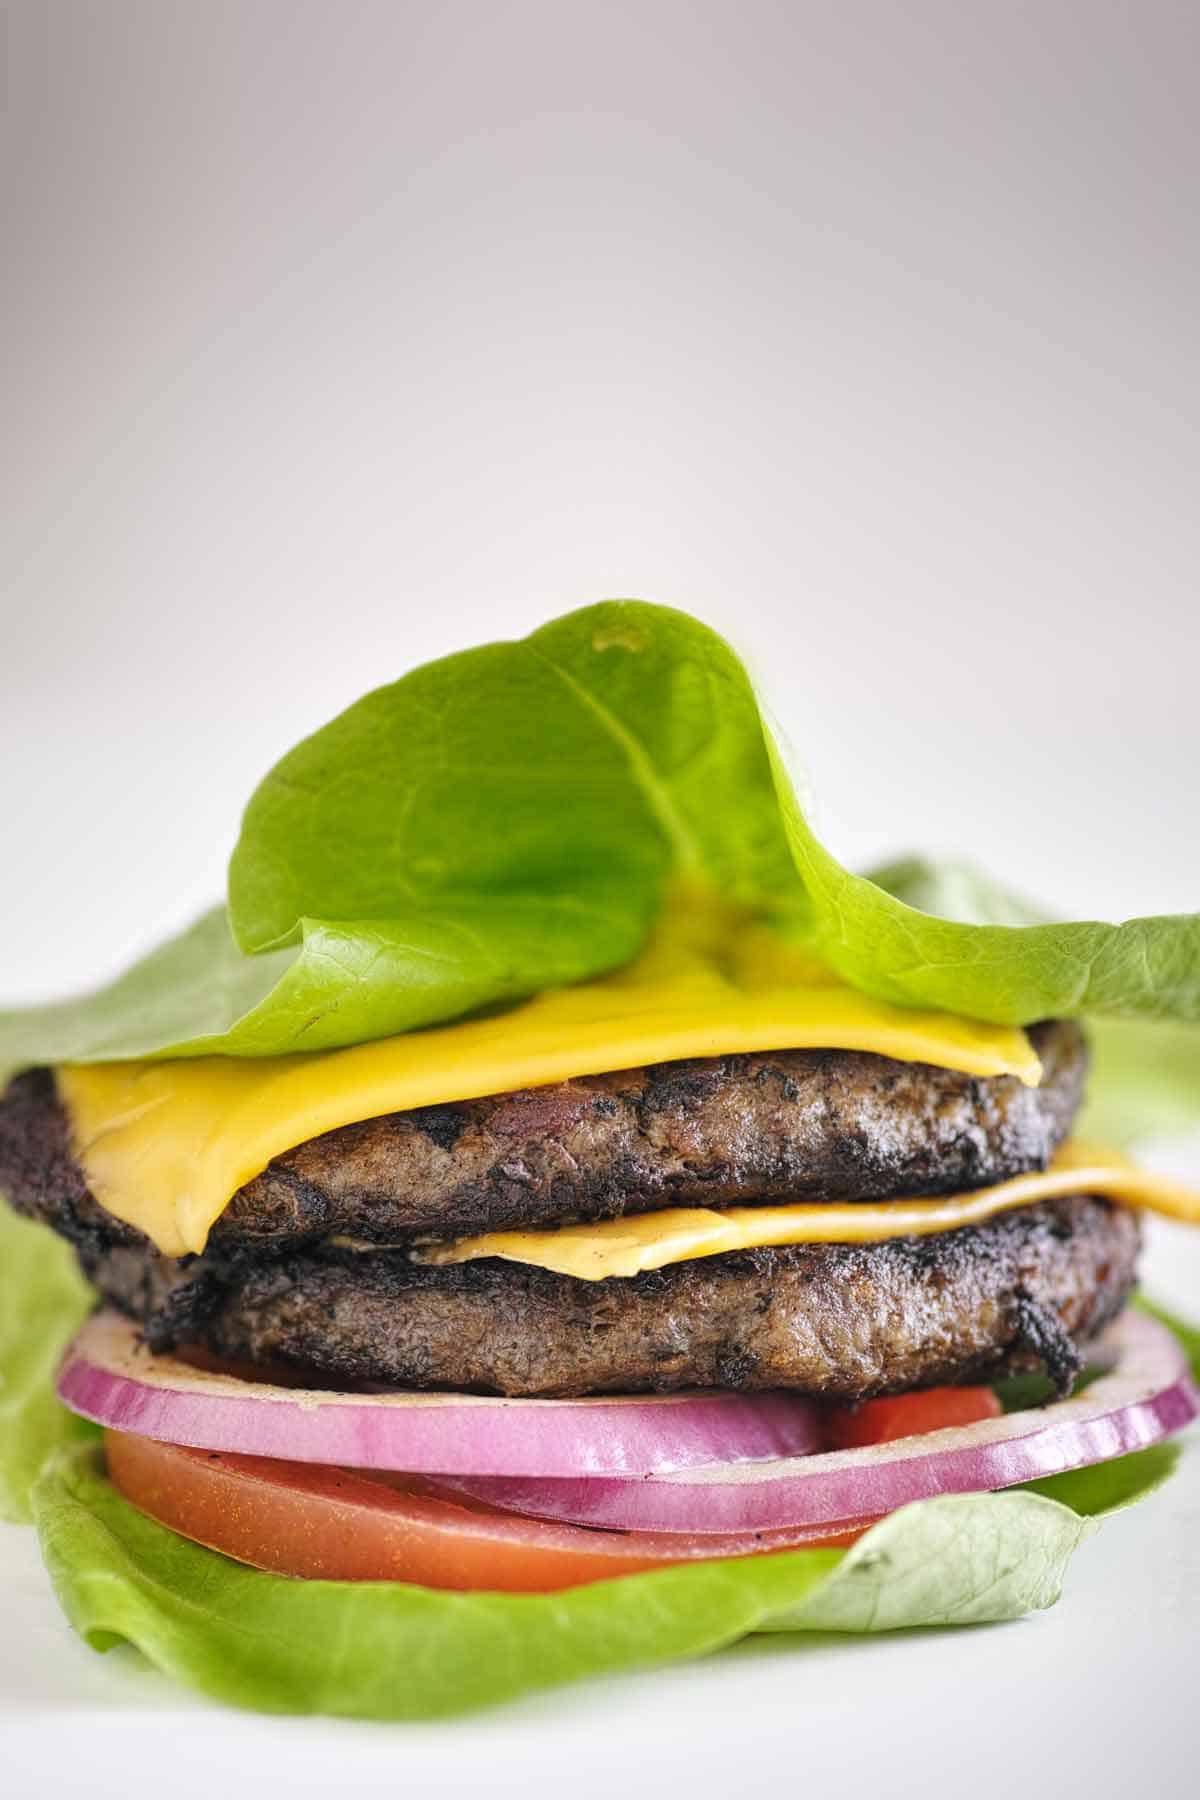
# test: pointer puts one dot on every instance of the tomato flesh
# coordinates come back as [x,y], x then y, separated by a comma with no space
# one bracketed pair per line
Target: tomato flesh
[334,1524]
[910,1415]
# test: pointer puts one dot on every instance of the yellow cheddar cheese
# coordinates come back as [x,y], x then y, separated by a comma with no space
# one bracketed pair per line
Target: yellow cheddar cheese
[165,1145]
[628,1246]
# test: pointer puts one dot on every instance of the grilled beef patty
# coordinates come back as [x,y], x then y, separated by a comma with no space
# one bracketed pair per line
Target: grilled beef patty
[722,1131]
[844,1322]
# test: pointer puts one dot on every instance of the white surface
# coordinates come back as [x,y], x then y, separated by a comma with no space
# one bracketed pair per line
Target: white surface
[346,334]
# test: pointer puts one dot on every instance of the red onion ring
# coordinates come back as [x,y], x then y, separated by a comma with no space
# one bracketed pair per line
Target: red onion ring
[1147,1396]
[109,1376]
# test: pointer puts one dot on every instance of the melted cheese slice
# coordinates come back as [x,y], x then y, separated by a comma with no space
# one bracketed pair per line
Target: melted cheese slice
[680,1234]
[166,1145]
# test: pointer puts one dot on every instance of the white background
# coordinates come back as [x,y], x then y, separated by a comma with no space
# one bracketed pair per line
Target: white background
[342,335]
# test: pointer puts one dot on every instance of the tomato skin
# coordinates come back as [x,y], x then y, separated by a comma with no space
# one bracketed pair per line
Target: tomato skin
[331,1524]
[910,1415]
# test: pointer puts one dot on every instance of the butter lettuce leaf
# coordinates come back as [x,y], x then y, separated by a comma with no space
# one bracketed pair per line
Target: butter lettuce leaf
[344,983]
[43,1302]
[1102,1489]
[1005,972]
[608,753]
[393,1652]
[1144,1079]
[514,818]
[389,1651]
[1188,1335]
[503,821]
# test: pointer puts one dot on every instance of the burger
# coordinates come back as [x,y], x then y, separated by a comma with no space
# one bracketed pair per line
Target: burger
[551,1173]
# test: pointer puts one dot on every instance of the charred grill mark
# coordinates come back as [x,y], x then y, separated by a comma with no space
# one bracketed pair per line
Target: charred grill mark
[442,1125]
[1040,1331]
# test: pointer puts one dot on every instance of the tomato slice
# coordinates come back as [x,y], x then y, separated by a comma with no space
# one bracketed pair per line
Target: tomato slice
[335,1524]
[909,1415]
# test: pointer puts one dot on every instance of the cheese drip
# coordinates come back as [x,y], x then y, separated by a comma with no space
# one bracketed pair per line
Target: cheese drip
[629,1246]
[165,1145]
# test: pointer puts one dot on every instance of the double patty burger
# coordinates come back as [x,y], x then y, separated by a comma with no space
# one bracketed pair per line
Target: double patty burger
[329,1260]
[551,1166]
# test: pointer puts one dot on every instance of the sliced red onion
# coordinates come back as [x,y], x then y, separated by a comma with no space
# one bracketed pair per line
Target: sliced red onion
[108,1375]
[1148,1395]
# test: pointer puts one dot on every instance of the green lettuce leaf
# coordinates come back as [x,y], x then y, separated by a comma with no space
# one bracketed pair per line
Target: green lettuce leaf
[388,1651]
[1144,1079]
[1109,1487]
[1009,973]
[608,752]
[512,818]
[955,890]
[345,983]
[1187,1335]
[497,823]
[43,1302]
